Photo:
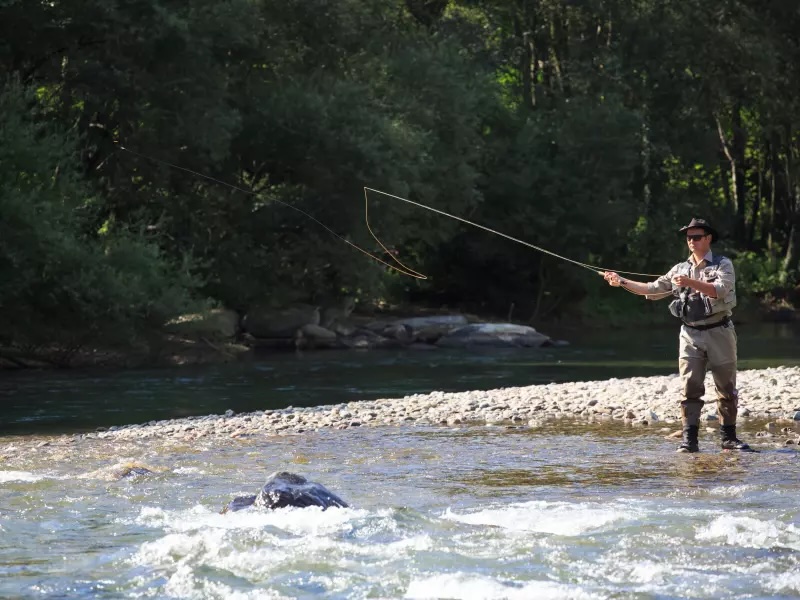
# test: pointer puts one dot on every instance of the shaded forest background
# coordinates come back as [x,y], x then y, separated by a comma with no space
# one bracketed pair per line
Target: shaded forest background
[592,128]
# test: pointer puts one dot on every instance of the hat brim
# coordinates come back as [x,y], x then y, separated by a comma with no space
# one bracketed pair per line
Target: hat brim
[706,228]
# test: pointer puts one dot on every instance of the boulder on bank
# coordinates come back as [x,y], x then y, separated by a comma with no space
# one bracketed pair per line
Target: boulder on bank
[421,323]
[300,327]
[424,330]
[217,323]
[428,330]
[262,322]
[493,335]
[337,313]
[366,339]
[318,333]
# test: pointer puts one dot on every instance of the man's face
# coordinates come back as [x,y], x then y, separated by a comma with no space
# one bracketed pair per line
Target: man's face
[699,240]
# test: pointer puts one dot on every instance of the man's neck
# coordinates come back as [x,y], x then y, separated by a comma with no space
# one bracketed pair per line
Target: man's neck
[699,258]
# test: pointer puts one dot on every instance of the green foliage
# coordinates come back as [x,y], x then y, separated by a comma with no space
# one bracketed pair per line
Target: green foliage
[563,183]
[59,286]
[758,274]
[591,129]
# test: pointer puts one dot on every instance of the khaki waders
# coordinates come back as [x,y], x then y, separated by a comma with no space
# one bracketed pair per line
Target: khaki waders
[699,351]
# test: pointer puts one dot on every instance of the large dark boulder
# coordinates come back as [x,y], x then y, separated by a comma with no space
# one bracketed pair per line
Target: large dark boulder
[288,489]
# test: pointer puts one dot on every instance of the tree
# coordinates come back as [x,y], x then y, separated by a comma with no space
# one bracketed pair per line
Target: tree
[63,286]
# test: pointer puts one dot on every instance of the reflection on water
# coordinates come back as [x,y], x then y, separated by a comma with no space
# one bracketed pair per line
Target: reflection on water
[566,510]
[63,402]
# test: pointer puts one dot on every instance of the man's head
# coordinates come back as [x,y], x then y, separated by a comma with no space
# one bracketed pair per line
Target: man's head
[699,235]
[699,240]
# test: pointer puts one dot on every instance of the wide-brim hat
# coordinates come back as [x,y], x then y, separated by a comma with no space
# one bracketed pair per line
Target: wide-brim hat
[701,224]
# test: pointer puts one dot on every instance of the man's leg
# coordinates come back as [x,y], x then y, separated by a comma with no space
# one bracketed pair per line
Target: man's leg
[692,365]
[722,359]
[727,395]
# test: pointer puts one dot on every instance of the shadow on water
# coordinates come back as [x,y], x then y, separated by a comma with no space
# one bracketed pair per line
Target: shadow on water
[65,402]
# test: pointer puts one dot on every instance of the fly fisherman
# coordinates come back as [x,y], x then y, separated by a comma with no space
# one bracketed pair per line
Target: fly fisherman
[704,290]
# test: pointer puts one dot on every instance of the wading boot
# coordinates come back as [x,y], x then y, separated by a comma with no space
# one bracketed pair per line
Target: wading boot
[689,443]
[729,440]
[690,417]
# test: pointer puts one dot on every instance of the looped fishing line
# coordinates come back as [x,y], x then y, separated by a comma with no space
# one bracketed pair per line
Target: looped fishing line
[401,268]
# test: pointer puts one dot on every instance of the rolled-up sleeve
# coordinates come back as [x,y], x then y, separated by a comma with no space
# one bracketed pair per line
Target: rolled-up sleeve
[726,278]
[663,283]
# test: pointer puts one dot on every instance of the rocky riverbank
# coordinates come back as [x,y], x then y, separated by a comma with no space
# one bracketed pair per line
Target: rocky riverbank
[772,394]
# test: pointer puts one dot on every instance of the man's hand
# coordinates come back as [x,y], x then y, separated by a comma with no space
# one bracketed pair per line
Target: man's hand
[684,281]
[613,279]
[704,287]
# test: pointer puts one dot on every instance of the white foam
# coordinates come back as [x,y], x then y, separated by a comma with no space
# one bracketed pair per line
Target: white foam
[558,518]
[785,582]
[649,572]
[181,547]
[751,533]
[462,586]
[258,544]
[188,471]
[184,584]
[733,491]
[8,476]
[262,555]
[299,521]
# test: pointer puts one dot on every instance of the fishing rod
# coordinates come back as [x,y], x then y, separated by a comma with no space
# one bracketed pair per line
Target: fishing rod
[596,269]
[400,266]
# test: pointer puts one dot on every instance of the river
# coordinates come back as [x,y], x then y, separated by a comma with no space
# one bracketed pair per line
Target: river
[565,510]
[75,401]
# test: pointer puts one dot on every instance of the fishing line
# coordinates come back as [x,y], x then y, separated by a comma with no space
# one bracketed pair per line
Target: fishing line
[594,268]
[401,268]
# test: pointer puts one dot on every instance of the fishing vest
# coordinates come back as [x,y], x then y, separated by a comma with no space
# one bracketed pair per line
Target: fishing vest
[690,305]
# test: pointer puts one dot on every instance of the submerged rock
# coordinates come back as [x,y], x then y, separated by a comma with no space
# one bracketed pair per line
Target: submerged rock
[133,471]
[126,470]
[288,489]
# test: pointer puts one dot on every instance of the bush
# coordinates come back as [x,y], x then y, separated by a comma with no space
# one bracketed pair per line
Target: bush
[61,287]
[759,273]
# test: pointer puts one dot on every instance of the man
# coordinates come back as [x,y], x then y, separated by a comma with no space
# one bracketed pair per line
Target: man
[704,290]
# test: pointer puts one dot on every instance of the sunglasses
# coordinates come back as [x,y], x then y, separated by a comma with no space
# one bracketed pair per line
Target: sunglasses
[695,238]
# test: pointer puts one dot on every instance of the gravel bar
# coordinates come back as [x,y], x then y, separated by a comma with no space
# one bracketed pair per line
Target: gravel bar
[772,394]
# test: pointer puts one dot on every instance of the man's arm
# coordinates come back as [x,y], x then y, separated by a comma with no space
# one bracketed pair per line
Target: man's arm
[655,290]
[709,289]
[615,280]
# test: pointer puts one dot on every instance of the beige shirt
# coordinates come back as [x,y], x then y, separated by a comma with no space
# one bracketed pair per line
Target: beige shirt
[722,276]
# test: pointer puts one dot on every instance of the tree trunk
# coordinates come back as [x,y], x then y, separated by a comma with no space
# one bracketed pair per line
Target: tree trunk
[791,259]
[725,184]
[738,173]
[755,207]
[734,151]
[527,66]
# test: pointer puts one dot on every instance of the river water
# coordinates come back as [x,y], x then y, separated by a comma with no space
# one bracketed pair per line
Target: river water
[69,401]
[565,510]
